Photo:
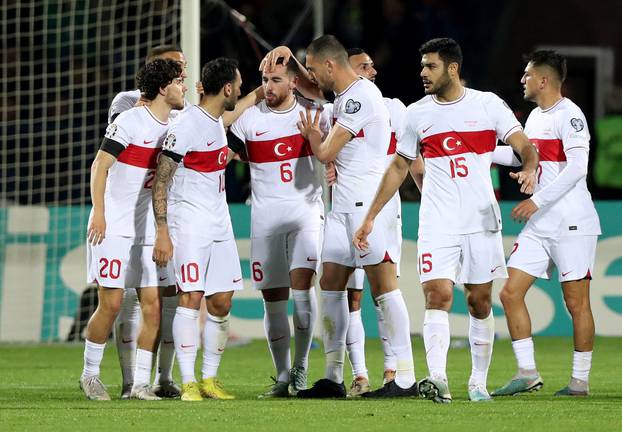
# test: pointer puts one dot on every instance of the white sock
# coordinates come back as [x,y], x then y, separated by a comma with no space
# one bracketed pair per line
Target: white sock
[581,365]
[186,337]
[305,316]
[278,334]
[335,326]
[524,353]
[355,345]
[126,333]
[142,372]
[166,353]
[390,361]
[436,341]
[481,339]
[397,323]
[93,354]
[215,334]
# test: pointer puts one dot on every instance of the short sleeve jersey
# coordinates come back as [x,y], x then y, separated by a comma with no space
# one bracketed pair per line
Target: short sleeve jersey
[197,202]
[284,178]
[554,131]
[128,207]
[456,140]
[361,163]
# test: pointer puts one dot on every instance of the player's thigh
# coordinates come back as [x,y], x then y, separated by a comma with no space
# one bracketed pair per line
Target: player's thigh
[384,244]
[146,273]
[109,263]
[269,266]
[438,257]
[334,276]
[337,246]
[304,249]
[574,256]
[224,274]
[530,255]
[483,258]
[382,277]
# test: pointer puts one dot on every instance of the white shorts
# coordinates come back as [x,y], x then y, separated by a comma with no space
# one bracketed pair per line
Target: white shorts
[468,258]
[125,262]
[384,240]
[572,255]
[273,257]
[206,265]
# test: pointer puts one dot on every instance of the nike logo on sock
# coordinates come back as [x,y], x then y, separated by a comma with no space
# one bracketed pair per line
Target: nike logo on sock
[302,328]
[277,339]
[126,340]
[167,342]
[186,346]
[221,349]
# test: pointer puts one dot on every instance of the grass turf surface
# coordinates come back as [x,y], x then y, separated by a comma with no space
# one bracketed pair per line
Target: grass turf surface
[39,391]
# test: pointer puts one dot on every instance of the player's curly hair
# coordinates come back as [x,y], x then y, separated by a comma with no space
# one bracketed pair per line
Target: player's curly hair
[216,73]
[156,75]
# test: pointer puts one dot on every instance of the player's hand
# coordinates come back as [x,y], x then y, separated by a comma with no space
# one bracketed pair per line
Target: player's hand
[331,173]
[96,232]
[527,181]
[524,210]
[309,125]
[162,248]
[360,236]
[269,61]
[199,87]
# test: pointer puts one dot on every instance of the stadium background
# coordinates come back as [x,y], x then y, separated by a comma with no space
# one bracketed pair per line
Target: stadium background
[63,61]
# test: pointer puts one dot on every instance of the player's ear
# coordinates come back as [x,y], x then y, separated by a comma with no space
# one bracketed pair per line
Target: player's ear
[228,89]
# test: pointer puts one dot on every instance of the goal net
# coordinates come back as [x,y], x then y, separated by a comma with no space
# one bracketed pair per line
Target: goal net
[63,62]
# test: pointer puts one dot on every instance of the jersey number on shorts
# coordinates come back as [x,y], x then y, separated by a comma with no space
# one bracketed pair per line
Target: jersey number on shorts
[257,273]
[109,268]
[425,263]
[286,174]
[458,167]
[149,179]
[190,272]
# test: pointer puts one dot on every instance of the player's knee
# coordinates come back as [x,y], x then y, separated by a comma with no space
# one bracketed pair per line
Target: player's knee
[479,305]
[437,299]
[507,297]
[354,300]
[329,284]
[219,305]
[577,304]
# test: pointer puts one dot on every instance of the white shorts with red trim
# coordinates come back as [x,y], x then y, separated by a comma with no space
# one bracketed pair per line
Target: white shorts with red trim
[125,262]
[468,258]
[572,255]
[273,257]
[206,265]
[384,240]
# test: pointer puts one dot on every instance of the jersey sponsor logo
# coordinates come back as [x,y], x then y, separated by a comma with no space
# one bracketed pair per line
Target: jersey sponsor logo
[169,142]
[277,150]
[139,156]
[352,106]
[550,150]
[210,143]
[261,133]
[454,143]
[111,130]
[207,161]
[577,124]
[426,129]
[147,142]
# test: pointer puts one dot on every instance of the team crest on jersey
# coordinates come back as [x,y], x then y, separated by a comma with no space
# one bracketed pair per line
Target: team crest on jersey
[577,124]
[352,106]
[111,130]
[169,142]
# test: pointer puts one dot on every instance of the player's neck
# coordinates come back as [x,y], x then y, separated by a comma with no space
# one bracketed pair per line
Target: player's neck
[452,92]
[546,100]
[160,109]
[213,105]
[286,104]
[344,79]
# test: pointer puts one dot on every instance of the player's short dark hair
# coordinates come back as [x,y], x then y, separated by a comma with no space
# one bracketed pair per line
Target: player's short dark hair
[448,50]
[216,73]
[291,66]
[156,75]
[161,49]
[549,58]
[328,46]
[355,51]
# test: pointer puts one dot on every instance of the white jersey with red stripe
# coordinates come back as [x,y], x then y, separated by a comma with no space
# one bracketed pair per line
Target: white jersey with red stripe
[197,202]
[397,111]
[456,140]
[361,163]
[285,185]
[128,207]
[554,131]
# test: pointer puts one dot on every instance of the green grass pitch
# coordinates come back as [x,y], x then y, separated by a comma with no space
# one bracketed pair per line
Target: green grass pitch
[39,391]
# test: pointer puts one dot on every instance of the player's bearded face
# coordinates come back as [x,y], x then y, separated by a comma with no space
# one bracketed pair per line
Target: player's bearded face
[236,91]
[277,87]
[175,93]
[319,74]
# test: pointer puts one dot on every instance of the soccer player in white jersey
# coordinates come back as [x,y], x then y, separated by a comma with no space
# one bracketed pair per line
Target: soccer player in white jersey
[194,227]
[363,65]
[456,130]
[357,143]
[127,322]
[562,226]
[287,217]
[121,227]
